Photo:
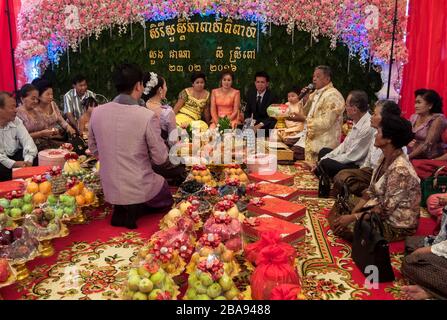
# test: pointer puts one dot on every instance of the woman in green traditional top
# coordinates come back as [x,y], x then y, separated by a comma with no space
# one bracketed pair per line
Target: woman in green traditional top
[193,103]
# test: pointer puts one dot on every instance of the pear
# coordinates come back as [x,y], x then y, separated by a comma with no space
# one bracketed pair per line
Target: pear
[139,296]
[206,279]
[214,290]
[133,282]
[225,282]
[145,285]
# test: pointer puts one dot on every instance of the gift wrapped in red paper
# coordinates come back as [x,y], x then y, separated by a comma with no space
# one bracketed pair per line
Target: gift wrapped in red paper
[9,186]
[289,232]
[277,177]
[278,208]
[287,292]
[24,173]
[269,238]
[273,269]
[273,189]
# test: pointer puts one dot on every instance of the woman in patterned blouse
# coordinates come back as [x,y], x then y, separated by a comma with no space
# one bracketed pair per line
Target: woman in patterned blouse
[44,121]
[394,193]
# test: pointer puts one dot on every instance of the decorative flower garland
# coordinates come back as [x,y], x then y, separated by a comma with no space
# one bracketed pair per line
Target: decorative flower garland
[49,27]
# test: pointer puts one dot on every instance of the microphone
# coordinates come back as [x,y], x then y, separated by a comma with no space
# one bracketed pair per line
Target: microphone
[310,87]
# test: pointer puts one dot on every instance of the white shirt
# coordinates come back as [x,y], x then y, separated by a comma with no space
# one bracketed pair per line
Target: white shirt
[13,137]
[374,155]
[260,95]
[440,249]
[303,134]
[354,148]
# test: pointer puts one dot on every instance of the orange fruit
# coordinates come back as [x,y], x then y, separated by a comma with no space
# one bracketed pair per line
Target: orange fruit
[39,198]
[81,186]
[32,188]
[45,187]
[80,200]
[74,191]
[89,197]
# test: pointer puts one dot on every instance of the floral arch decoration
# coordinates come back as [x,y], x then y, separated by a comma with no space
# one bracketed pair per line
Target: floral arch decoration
[49,27]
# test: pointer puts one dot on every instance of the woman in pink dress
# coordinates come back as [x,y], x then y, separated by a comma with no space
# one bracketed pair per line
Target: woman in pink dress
[225,101]
[43,120]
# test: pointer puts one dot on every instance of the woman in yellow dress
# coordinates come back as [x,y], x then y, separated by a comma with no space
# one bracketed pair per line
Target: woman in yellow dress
[193,102]
[225,101]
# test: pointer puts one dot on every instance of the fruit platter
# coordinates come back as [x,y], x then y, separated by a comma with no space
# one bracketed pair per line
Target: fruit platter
[7,274]
[18,247]
[44,226]
[149,281]
[16,205]
[39,187]
[209,281]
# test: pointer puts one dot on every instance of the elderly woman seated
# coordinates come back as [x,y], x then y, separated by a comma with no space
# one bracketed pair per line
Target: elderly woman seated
[394,193]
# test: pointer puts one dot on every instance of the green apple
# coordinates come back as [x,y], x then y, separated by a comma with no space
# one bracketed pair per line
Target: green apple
[16,213]
[58,213]
[220,298]
[200,288]
[214,290]
[4,203]
[16,203]
[52,199]
[68,210]
[139,296]
[27,208]
[145,285]
[71,201]
[232,293]
[206,279]
[133,282]
[225,282]
[28,198]
[63,198]
[49,214]
[154,293]
[191,294]
[8,212]
[192,279]
[157,277]
[203,297]
[143,272]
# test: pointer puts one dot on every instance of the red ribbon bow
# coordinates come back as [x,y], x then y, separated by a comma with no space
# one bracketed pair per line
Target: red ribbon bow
[224,205]
[233,182]
[14,194]
[162,252]
[55,171]
[71,156]
[199,167]
[252,222]
[210,190]
[231,197]
[212,266]
[67,146]
[257,202]
[252,187]
[39,179]
[210,240]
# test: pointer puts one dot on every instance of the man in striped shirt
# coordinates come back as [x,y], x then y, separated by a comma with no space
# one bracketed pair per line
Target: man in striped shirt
[73,100]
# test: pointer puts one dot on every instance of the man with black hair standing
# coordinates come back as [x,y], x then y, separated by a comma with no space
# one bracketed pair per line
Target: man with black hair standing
[127,140]
[73,100]
[258,100]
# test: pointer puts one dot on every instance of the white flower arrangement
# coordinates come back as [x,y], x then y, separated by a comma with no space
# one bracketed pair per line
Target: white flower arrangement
[151,83]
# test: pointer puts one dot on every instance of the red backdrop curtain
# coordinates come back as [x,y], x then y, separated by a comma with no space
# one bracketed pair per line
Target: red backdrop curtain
[6,71]
[427,45]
